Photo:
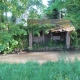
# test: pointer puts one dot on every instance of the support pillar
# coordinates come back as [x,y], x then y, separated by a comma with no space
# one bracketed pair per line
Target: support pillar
[43,37]
[68,40]
[51,36]
[30,40]
[60,14]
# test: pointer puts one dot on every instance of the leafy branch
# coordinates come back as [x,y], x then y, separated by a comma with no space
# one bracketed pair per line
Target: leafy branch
[36,28]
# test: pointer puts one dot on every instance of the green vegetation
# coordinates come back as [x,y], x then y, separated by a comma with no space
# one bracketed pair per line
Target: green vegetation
[70,9]
[75,40]
[36,28]
[60,70]
[50,45]
[13,36]
[52,11]
[10,32]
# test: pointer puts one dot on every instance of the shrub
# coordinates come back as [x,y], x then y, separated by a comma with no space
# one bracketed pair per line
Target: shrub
[7,40]
[75,40]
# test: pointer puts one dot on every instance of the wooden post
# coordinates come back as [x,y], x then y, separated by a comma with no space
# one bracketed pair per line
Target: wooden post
[43,37]
[68,40]
[51,36]
[60,14]
[30,40]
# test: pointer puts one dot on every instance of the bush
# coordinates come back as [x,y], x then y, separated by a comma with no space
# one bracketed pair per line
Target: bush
[7,40]
[75,40]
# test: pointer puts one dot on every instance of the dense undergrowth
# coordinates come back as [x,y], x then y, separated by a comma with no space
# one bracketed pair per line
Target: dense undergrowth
[60,70]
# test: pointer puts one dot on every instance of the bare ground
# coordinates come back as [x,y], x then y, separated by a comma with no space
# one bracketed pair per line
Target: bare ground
[41,57]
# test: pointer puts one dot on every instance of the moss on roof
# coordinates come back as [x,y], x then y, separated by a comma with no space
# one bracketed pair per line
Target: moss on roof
[60,25]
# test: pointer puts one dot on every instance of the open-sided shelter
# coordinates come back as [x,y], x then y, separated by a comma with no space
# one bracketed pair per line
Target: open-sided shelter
[60,31]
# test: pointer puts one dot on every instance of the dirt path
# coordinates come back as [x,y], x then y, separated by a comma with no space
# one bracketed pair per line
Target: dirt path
[39,56]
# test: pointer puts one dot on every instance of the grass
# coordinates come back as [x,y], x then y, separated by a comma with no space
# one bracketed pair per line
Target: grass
[60,70]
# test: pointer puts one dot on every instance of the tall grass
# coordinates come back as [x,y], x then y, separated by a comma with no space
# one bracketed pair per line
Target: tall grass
[60,70]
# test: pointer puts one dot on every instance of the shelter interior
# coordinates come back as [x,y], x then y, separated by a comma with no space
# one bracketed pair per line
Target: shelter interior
[50,36]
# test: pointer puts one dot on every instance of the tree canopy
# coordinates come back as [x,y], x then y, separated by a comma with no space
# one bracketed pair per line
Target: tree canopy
[11,34]
[73,12]
[70,8]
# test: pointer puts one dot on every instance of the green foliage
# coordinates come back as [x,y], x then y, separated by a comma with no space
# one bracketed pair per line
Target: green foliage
[36,28]
[70,8]
[35,9]
[60,70]
[52,11]
[73,12]
[33,14]
[15,7]
[75,40]
[7,39]
[51,44]
[54,14]
[11,35]
[10,32]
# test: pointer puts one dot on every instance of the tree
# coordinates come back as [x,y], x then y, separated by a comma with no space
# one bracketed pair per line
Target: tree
[71,9]
[11,34]
[52,11]
[73,12]
[8,29]
[35,9]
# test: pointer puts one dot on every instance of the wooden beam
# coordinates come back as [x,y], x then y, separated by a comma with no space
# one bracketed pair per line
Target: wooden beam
[30,40]
[68,40]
